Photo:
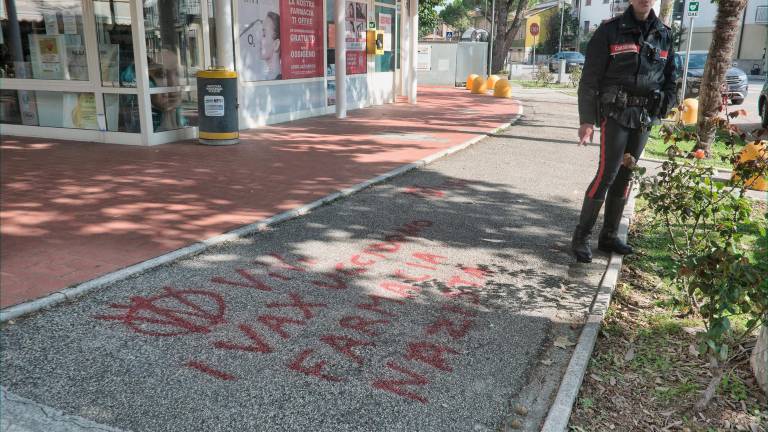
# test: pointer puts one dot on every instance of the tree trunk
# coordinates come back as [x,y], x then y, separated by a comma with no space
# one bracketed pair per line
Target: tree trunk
[505,30]
[665,11]
[759,360]
[718,62]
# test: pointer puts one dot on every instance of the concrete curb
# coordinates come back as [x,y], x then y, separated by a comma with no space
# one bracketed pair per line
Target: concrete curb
[560,411]
[68,294]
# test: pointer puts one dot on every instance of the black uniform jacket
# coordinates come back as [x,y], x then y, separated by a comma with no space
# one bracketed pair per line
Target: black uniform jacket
[634,56]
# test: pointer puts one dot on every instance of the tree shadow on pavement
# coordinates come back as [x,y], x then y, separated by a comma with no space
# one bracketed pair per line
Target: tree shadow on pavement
[475,273]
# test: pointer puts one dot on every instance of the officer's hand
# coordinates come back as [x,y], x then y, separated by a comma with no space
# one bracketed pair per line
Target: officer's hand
[586,130]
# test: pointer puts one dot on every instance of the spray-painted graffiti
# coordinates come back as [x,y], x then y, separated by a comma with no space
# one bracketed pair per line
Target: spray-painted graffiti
[172,313]
[350,337]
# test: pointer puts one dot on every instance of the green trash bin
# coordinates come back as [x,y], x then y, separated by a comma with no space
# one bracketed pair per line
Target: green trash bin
[217,107]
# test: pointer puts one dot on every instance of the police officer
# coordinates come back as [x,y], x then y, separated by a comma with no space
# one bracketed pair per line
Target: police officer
[627,84]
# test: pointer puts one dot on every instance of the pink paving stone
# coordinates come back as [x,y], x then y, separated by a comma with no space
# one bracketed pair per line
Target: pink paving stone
[72,211]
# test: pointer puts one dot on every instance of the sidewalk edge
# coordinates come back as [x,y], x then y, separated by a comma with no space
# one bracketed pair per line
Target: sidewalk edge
[70,293]
[560,412]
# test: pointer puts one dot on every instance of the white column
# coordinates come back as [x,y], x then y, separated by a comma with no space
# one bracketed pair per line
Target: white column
[405,44]
[414,41]
[225,49]
[341,60]
[142,71]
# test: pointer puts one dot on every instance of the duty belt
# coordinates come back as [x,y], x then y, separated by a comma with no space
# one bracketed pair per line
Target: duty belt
[640,101]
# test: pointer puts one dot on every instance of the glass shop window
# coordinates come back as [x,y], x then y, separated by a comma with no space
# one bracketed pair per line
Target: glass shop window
[113,32]
[49,109]
[42,40]
[173,32]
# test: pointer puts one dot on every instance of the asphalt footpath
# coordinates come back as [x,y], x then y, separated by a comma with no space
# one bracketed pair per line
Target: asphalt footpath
[437,301]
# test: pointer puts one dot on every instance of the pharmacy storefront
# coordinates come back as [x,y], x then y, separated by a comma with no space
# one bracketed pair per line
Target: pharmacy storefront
[124,71]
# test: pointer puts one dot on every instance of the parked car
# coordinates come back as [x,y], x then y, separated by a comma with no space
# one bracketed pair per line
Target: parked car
[762,103]
[572,59]
[736,78]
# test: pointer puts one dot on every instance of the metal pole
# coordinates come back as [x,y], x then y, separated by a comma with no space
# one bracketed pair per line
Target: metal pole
[741,32]
[578,27]
[225,51]
[14,34]
[413,51]
[687,56]
[493,22]
[562,14]
[341,60]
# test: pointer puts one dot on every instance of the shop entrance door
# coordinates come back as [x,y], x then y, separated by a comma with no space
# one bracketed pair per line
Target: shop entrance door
[386,21]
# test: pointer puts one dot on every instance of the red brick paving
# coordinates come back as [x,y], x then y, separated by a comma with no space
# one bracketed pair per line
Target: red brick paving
[72,211]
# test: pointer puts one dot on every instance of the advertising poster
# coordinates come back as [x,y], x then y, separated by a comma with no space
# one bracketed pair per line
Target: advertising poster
[424,58]
[355,20]
[51,23]
[70,23]
[331,90]
[47,55]
[50,54]
[385,24]
[259,39]
[28,107]
[301,34]
[81,108]
[331,35]
[109,55]
[77,63]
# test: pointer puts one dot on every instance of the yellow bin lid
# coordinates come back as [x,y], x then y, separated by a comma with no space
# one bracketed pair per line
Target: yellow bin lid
[217,72]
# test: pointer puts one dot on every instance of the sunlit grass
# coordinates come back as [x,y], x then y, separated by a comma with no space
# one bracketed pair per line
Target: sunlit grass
[656,148]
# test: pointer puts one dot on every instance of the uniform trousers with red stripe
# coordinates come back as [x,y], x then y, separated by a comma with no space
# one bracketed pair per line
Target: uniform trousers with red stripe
[612,176]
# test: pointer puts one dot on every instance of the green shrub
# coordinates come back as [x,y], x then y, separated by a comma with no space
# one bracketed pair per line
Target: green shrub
[705,221]
[575,75]
[543,76]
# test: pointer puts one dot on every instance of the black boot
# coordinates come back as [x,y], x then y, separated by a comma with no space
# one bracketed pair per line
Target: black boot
[580,242]
[609,236]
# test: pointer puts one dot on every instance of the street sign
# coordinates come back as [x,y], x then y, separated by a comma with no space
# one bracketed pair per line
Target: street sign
[693,9]
[534,29]
[449,35]
[693,12]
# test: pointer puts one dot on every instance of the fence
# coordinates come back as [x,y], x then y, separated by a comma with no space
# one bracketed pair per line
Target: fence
[449,63]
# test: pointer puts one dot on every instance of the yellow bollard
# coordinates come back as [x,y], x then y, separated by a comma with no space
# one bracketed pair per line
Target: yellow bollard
[492,80]
[479,85]
[470,80]
[690,111]
[750,152]
[502,89]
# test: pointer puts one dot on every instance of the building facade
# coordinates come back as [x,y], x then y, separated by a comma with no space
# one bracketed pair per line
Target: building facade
[124,71]
[593,12]
[523,42]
